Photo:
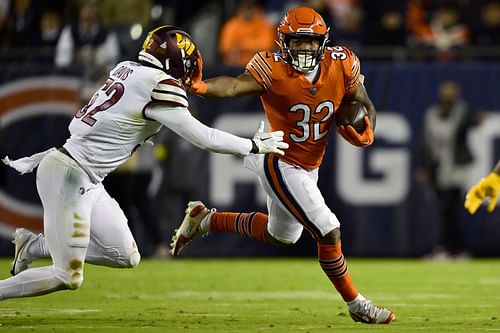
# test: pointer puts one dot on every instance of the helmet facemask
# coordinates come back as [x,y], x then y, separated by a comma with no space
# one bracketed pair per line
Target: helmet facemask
[302,23]
[303,60]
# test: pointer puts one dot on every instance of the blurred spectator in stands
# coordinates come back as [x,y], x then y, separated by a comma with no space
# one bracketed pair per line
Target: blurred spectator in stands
[183,12]
[47,36]
[4,33]
[127,13]
[245,34]
[347,22]
[487,33]
[384,22]
[322,8]
[442,159]
[131,20]
[87,45]
[20,24]
[275,8]
[438,27]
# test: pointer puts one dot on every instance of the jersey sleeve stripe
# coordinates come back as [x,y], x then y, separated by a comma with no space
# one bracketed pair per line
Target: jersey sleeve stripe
[170,91]
[170,96]
[355,64]
[355,74]
[265,71]
[168,87]
[265,62]
[254,72]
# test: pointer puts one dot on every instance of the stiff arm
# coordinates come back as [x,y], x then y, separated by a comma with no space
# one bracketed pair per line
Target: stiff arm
[228,86]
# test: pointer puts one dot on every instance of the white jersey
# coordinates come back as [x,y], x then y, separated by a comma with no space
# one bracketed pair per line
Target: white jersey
[130,108]
[106,132]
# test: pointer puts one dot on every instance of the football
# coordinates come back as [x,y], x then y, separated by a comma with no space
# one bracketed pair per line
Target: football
[351,113]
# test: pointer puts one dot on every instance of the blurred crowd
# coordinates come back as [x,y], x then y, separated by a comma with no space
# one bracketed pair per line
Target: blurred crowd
[82,32]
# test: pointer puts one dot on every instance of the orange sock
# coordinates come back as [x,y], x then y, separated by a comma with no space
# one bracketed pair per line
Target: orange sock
[334,265]
[250,225]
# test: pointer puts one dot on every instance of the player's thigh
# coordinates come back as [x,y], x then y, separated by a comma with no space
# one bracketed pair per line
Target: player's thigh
[67,196]
[297,192]
[110,225]
[282,226]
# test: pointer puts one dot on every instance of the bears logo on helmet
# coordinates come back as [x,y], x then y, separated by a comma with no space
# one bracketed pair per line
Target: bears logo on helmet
[172,50]
[302,22]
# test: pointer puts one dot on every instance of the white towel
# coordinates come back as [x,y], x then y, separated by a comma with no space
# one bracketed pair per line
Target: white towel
[26,164]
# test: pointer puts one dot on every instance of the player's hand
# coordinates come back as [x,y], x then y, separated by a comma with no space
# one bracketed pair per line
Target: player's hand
[198,87]
[198,74]
[488,186]
[357,139]
[268,142]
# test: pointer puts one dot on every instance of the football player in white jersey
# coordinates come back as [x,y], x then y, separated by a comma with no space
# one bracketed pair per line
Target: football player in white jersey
[82,223]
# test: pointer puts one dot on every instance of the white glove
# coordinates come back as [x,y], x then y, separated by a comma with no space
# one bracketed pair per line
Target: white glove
[268,142]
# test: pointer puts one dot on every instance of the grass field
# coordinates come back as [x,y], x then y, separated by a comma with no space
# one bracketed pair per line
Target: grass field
[263,295]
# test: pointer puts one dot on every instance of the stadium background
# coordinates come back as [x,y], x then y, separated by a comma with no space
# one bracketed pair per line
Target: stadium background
[373,191]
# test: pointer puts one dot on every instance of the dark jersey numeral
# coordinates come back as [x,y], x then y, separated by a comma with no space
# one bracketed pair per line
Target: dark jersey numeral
[110,88]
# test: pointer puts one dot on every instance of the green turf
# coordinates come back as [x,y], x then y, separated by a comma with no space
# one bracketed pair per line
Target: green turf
[263,295]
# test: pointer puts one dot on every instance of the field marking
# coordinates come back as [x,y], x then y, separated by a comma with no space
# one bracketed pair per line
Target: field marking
[255,295]
[440,305]
[205,314]
[432,296]
[15,312]
[489,281]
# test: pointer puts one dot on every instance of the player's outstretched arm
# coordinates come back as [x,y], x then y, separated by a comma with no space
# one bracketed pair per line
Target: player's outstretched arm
[488,186]
[180,120]
[227,86]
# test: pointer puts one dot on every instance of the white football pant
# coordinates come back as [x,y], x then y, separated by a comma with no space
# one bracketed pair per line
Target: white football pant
[76,213]
[294,200]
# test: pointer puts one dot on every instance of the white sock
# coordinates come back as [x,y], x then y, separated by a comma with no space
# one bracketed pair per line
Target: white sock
[205,222]
[354,303]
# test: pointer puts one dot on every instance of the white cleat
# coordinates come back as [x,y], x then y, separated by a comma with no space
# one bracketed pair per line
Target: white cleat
[22,239]
[190,226]
[368,313]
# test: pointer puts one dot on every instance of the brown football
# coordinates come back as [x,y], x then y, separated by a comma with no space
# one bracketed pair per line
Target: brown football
[351,113]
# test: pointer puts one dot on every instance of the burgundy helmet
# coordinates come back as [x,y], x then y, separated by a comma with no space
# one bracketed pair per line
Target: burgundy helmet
[172,50]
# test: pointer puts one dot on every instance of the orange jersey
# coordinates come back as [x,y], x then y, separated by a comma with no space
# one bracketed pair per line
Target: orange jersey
[304,110]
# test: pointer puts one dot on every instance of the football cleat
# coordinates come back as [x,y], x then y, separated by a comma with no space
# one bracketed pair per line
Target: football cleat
[368,313]
[190,226]
[22,239]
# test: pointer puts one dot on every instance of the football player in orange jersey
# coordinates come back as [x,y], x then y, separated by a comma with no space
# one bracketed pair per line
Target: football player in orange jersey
[300,87]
